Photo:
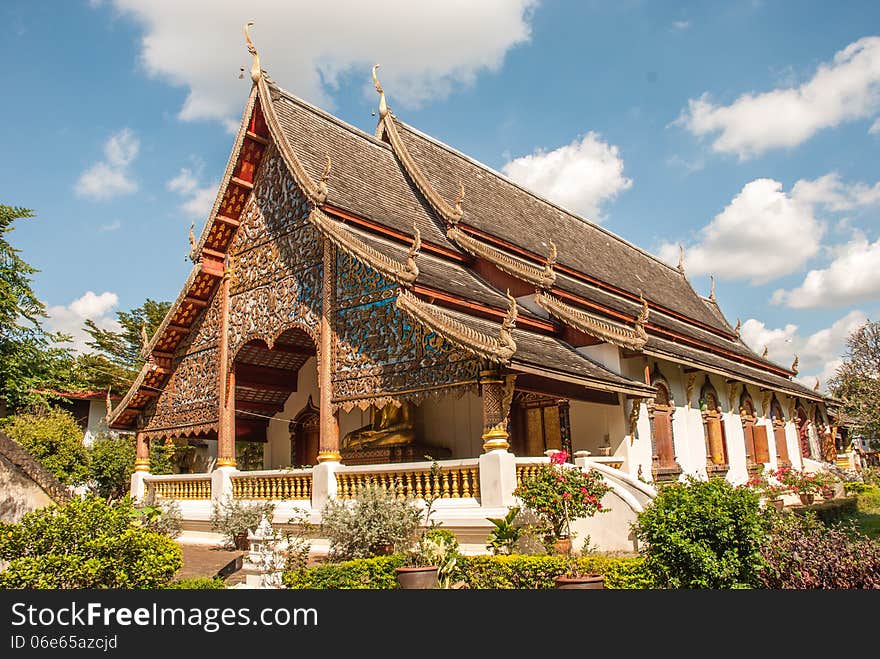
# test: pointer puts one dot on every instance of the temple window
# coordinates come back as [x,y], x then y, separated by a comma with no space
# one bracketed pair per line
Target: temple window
[757,450]
[713,430]
[660,412]
[778,420]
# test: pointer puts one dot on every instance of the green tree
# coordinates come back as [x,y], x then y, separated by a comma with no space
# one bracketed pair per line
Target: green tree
[116,359]
[33,364]
[111,463]
[857,380]
[54,438]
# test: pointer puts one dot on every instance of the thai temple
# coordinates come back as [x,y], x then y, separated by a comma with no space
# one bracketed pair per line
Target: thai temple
[361,306]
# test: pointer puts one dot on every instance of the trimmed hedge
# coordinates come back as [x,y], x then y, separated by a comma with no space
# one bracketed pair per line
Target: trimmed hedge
[518,571]
[197,583]
[830,511]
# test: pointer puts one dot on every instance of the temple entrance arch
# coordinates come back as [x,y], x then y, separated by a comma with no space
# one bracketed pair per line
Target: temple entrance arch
[778,420]
[263,378]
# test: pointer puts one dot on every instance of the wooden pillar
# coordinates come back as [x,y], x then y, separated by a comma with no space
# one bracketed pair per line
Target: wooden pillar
[225,382]
[142,455]
[494,420]
[329,435]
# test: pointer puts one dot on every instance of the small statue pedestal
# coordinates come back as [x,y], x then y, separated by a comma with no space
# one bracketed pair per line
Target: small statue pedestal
[412,452]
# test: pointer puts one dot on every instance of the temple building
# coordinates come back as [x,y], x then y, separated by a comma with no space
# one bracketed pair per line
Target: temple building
[360,305]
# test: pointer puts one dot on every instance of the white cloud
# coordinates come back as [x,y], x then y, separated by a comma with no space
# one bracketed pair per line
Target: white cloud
[115,225]
[425,49]
[71,318]
[198,199]
[845,90]
[681,25]
[752,238]
[111,177]
[836,195]
[580,176]
[819,354]
[875,128]
[853,276]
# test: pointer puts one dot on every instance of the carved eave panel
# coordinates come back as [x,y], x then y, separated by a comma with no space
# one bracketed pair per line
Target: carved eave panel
[614,333]
[498,350]
[540,276]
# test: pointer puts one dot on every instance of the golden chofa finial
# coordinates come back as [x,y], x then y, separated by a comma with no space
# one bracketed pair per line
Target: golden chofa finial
[145,341]
[322,182]
[256,71]
[794,365]
[765,351]
[738,327]
[712,288]
[383,106]
[681,259]
[414,252]
[459,199]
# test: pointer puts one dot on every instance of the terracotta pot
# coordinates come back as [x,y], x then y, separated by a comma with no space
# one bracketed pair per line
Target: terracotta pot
[827,492]
[779,504]
[415,578]
[588,581]
[562,546]
[807,499]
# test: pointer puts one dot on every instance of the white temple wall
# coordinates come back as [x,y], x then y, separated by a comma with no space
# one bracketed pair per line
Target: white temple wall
[605,353]
[594,425]
[453,422]
[96,425]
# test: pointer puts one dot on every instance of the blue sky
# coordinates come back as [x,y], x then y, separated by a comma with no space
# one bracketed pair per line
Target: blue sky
[748,132]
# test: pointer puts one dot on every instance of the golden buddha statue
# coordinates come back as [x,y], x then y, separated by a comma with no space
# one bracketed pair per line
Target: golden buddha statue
[389,426]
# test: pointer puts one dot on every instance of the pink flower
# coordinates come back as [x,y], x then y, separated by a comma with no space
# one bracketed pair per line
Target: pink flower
[566,495]
[559,457]
[584,491]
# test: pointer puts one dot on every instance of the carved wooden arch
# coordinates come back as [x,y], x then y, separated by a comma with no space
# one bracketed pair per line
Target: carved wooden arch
[269,339]
[305,432]
[754,434]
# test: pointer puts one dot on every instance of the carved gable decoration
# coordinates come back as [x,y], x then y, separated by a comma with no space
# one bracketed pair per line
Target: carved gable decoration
[275,262]
[382,355]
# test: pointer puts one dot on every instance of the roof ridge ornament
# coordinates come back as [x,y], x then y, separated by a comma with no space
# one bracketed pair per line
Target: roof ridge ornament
[413,252]
[738,327]
[458,201]
[542,277]
[504,336]
[549,274]
[816,386]
[322,182]
[256,71]
[766,350]
[794,365]
[145,341]
[383,104]
[642,319]
[608,331]
[712,288]
[192,242]
[680,266]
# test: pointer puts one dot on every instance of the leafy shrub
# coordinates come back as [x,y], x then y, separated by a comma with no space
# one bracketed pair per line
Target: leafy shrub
[802,552]
[55,439]
[198,583]
[234,517]
[86,543]
[164,517]
[111,463]
[358,574]
[702,534]
[857,487]
[365,526]
[503,538]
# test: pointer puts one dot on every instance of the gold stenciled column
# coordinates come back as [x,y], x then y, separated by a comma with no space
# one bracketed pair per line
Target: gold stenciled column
[142,455]
[329,439]
[226,381]
[494,418]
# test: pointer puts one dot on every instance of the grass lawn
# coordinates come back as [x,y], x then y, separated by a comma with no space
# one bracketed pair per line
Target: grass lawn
[868,516]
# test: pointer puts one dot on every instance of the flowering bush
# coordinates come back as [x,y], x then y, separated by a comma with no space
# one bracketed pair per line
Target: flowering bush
[801,482]
[557,494]
[766,488]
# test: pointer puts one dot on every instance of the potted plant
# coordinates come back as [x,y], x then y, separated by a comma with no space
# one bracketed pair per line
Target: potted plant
[804,484]
[234,518]
[505,535]
[432,553]
[770,491]
[557,493]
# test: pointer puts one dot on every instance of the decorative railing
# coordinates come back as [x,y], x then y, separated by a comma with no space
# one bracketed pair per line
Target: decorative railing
[528,469]
[452,481]
[180,486]
[295,485]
